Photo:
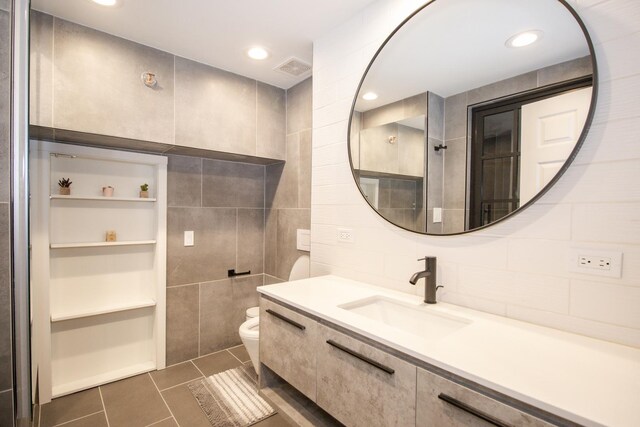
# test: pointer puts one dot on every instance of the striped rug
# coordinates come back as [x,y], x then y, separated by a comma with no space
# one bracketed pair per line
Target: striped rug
[230,398]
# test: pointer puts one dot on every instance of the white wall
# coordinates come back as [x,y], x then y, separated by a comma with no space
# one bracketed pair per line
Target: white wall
[518,268]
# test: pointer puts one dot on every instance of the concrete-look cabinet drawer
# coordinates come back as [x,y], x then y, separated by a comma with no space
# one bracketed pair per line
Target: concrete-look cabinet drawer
[360,385]
[444,403]
[288,346]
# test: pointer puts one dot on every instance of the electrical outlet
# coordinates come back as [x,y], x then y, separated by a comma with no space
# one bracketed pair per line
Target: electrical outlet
[596,262]
[345,235]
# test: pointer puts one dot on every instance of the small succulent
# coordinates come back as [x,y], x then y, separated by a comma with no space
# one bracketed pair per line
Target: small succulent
[144,187]
[65,182]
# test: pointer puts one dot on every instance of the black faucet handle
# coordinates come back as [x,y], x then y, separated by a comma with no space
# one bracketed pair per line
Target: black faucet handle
[426,258]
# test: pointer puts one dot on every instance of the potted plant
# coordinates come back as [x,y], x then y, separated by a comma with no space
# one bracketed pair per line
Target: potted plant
[107,191]
[65,186]
[144,191]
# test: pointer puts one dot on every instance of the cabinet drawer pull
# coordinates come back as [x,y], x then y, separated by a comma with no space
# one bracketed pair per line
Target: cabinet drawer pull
[286,319]
[362,357]
[473,411]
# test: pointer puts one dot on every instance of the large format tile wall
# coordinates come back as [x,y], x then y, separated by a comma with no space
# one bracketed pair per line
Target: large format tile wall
[288,188]
[6,373]
[244,217]
[89,81]
[518,268]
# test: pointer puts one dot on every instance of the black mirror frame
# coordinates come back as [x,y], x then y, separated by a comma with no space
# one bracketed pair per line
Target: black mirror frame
[546,188]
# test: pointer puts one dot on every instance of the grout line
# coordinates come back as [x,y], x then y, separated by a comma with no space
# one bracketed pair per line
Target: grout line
[157,422]
[198,368]
[103,406]
[178,385]
[165,402]
[79,418]
[199,316]
[236,357]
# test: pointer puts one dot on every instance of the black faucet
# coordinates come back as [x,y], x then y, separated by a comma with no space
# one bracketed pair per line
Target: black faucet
[429,275]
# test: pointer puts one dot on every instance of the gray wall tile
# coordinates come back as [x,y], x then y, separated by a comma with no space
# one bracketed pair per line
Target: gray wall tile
[455,116]
[415,105]
[453,220]
[217,328]
[230,184]
[382,115]
[4,5]
[502,88]
[271,241]
[5,100]
[250,255]
[97,76]
[214,109]
[299,107]
[304,170]
[435,124]
[5,298]
[435,167]
[455,174]
[184,181]
[182,323]
[282,180]
[214,251]
[289,220]
[271,122]
[565,71]
[222,310]
[6,408]
[41,69]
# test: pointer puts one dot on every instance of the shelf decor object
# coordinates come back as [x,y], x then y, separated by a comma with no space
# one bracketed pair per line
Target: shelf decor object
[99,300]
[65,186]
[144,191]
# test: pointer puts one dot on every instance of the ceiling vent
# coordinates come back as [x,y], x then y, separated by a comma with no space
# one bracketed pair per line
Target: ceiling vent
[294,67]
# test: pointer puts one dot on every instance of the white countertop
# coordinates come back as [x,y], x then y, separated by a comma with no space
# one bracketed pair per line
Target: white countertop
[585,380]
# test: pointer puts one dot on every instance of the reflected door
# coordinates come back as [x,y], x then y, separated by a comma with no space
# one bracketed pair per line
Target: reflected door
[495,165]
[550,130]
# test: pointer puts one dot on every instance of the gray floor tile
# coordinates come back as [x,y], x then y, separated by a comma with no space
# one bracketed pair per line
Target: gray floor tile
[95,420]
[276,420]
[70,407]
[185,407]
[216,362]
[6,408]
[175,375]
[241,353]
[133,402]
[169,422]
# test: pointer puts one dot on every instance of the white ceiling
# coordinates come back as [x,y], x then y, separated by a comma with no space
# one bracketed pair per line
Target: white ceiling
[216,32]
[453,46]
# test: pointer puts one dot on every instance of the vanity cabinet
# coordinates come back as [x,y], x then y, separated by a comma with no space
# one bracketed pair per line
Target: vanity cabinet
[445,403]
[288,346]
[360,385]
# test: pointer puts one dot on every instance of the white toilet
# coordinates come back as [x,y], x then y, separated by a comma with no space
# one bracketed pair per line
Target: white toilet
[249,330]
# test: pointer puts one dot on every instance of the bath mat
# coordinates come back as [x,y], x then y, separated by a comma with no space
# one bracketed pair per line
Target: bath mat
[230,398]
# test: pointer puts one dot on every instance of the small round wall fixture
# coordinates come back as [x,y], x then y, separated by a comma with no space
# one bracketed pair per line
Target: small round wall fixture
[479,108]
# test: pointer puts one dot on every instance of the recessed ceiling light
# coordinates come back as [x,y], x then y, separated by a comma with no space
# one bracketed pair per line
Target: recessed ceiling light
[257,53]
[524,39]
[106,2]
[370,96]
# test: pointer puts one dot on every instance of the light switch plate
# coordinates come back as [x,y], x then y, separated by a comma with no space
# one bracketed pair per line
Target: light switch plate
[437,215]
[303,241]
[188,238]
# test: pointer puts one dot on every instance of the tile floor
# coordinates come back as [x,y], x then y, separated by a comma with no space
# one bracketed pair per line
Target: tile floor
[158,399]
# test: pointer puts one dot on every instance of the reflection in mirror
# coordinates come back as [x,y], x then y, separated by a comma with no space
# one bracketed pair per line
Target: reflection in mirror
[454,128]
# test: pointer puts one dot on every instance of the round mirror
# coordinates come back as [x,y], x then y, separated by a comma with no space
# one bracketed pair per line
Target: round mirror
[470,111]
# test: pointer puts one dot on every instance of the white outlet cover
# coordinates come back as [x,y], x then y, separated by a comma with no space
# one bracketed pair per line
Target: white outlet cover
[437,215]
[345,235]
[615,256]
[303,241]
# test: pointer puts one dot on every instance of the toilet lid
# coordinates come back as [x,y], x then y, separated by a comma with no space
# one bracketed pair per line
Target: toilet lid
[253,312]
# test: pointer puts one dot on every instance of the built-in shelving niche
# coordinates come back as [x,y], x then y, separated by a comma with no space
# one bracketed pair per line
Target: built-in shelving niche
[98,306]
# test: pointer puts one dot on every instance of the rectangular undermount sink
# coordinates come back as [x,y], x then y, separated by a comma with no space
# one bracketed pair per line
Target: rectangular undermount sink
[420,320]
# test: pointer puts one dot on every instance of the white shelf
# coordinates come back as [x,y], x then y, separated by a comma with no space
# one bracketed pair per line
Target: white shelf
[102,198]
[100,244]
[59,317]
[96,380]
